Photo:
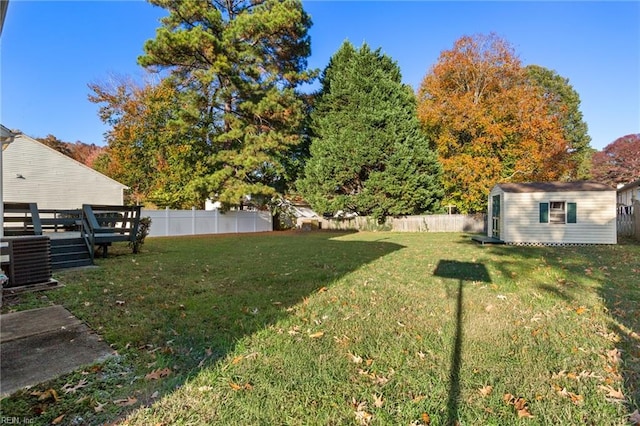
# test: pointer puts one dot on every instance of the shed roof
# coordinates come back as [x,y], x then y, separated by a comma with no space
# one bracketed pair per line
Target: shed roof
[554,186]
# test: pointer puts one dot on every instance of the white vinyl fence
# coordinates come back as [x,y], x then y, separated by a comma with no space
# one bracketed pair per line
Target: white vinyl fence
[167,222]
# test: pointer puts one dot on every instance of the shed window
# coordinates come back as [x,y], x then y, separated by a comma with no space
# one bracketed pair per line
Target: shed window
[557,212]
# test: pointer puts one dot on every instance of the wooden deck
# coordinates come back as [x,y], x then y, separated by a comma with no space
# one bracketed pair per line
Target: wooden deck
[483,239]
[74,234]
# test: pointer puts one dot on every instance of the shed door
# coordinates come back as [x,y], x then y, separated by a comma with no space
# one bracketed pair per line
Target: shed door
[495,216]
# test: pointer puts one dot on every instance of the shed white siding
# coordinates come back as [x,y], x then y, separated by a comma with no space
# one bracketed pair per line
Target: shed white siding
[520,217]
[33,172]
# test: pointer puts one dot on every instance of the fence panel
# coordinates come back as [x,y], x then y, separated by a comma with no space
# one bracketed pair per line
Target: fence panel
[476,223]
[624,221]
[199,222]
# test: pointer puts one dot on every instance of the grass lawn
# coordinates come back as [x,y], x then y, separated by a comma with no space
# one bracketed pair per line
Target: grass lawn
[327,328]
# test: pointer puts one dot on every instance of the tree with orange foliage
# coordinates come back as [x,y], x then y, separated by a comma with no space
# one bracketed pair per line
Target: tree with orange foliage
[147,151]
[488,122]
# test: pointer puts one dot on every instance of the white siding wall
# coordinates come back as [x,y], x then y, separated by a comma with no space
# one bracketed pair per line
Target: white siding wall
[53,180]
[596,218]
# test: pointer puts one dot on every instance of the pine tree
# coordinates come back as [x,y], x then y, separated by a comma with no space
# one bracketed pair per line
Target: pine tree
[236,65]
[368,155]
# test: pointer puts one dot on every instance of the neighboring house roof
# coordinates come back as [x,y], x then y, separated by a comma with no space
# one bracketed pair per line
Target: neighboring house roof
[24,137]
[629,186]
[303,211]
[554,186]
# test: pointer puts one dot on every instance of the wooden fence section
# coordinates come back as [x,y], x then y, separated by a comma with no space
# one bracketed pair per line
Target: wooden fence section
[476,223]
[628,221]
[625,224]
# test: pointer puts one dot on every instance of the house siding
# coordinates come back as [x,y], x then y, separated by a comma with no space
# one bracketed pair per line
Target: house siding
[596,218]
[628,194]
[33,172]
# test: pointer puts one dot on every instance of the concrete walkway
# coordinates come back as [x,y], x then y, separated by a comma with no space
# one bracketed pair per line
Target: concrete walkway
[42,344]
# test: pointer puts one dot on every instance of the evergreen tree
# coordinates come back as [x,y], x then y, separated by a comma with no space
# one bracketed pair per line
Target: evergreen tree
[368,154]
[564,102]
[236,65]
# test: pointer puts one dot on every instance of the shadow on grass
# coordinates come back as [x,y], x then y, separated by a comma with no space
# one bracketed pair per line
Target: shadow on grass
[614,269]
[461,271]
[185,303]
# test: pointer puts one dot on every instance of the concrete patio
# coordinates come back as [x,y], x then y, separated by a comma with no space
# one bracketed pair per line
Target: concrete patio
[41,344]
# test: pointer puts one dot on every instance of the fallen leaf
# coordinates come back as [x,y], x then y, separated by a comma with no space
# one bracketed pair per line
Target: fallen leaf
[362,417]
[575,398]
[355,358]
[57,420]
[426,419]
[99,407]
[612,392]
[295,330]
[82,399]
[580,310]
[237,359]
[486,390]
[316,335]
[378,400]
[237,387]
[322,289]
[524,413]
[69,388]
[520,403]
[614,356]
[634,418]
[158,374]
[125,402]
[48,394]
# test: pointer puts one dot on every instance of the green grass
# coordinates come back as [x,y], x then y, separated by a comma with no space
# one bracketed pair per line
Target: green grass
[351,328]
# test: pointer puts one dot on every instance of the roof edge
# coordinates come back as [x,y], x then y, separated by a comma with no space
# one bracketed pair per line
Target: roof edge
[581,186]
[29,138]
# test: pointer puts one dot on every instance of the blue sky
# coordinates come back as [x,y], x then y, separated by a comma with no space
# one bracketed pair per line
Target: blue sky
[51,50]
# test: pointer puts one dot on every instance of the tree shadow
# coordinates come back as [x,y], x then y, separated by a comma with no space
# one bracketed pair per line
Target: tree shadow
[461,271]
[614,271]
[198,297]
